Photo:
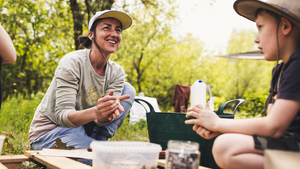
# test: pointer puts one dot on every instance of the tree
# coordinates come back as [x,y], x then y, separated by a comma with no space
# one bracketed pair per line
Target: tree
[82,11]
[249,75]
[39,31]
[45,31]
[142,43]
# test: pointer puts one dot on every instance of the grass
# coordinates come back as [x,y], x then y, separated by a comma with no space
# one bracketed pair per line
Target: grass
[136,132]
[16,115]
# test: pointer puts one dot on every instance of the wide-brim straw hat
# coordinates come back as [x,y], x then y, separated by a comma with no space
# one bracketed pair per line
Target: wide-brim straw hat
[124,18]
[289,9]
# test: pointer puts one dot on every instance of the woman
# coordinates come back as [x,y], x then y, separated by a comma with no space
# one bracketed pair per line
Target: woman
[88,90]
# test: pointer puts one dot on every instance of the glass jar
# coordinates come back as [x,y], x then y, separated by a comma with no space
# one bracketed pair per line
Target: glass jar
[182,155]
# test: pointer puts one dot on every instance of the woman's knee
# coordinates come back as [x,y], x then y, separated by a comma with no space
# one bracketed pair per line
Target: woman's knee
[129,89]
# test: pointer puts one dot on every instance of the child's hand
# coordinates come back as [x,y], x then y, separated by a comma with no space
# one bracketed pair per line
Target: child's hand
[204,117]
[203,132]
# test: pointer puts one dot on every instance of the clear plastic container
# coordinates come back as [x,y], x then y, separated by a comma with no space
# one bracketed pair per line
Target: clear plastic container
[2,138]
[182,155]
[125,154]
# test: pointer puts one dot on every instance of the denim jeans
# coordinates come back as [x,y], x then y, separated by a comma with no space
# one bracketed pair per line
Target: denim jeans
[78,138]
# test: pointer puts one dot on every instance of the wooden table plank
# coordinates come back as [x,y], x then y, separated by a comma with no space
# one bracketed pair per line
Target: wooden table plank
[80,153]
[56,162]
[13,159]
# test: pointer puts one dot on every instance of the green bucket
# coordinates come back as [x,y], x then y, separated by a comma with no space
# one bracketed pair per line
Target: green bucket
[165,126]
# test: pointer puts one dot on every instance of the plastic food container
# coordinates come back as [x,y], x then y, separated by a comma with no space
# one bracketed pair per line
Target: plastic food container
[2,138]
[125,154]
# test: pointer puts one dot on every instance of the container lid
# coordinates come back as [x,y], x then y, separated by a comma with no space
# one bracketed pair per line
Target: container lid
[125,146]
[181,144]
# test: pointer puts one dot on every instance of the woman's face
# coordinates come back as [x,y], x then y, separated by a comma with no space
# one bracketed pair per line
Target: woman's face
[108,35]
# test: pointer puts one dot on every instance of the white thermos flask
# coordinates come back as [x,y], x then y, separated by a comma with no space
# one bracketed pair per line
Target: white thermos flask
[198,93]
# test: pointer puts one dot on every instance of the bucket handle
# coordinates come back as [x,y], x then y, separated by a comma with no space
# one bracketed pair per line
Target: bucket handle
[148,104]
[221,108]
[219,112]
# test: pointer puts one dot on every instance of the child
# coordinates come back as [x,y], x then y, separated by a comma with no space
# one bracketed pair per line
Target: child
[244,140]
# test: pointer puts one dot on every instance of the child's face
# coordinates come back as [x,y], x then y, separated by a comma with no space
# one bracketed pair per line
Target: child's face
[266,36]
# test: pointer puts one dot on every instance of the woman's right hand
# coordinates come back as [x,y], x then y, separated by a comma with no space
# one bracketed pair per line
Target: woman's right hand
[105,107]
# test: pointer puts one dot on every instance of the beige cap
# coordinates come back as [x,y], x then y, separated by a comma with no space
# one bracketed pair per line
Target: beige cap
[289,9]
[124,18]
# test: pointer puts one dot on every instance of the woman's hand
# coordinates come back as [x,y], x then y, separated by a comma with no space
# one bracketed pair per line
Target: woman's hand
[205,118]
[107,107]
[116,112]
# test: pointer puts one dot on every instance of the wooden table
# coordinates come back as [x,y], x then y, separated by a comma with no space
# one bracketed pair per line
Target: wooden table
[53,162]
[12,161]
[63,161]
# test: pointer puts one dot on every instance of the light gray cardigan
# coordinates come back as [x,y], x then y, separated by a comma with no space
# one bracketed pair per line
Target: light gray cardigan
[76,86]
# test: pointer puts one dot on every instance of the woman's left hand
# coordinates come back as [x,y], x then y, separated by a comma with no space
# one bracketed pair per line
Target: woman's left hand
[107,108]
[116,113]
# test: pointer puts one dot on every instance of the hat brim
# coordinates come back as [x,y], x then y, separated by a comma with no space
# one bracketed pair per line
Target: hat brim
[125,19]
[248,9]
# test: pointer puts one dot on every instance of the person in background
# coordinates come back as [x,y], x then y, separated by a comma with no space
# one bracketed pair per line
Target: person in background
[244,140]
[88,97]
[7,52]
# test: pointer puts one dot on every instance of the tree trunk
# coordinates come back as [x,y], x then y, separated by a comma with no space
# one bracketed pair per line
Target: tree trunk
[77,19]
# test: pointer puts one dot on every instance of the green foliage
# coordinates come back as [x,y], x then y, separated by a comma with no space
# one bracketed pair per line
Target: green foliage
[253,106]
[145,50]
[40,31]
[32,165]
[246,77]
[241,41]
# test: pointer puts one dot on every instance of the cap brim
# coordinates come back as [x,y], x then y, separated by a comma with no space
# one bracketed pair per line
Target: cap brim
[248,9]
[125,19]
